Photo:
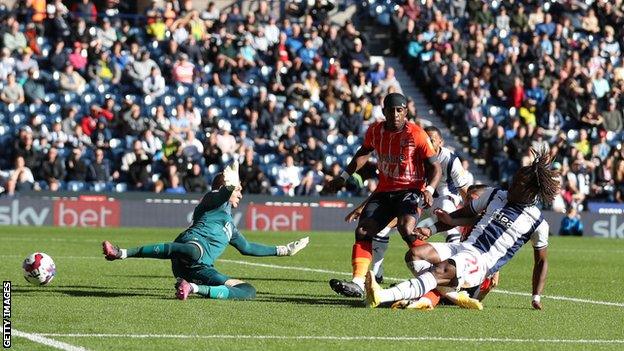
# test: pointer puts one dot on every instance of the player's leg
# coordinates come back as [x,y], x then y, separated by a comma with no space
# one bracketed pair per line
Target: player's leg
[405,205]
[375,216]
[380,245]
[208,282]
[461,270]
[419,259]
[168,250]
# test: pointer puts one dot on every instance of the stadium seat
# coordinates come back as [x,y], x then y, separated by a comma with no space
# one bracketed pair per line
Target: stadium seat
[120,187]
[76,186]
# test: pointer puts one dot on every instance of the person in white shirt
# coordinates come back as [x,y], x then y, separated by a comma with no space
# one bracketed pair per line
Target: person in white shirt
[288,176]
[154,85]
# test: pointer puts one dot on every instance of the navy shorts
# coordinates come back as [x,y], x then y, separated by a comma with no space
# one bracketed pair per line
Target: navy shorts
[385,206]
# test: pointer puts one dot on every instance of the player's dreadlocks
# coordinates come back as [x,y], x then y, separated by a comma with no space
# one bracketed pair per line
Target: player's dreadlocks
[537,181]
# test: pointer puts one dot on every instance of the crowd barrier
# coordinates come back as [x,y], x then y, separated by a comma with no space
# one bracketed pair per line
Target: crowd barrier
[255,213]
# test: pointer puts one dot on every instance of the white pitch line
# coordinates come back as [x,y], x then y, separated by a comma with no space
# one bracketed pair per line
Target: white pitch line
[42,339]
[317,270]
[340,338]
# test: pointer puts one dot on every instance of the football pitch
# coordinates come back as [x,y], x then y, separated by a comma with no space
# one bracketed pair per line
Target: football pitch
[93,304]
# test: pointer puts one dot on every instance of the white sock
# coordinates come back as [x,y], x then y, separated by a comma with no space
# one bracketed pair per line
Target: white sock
[359,281]
[379,251]
[409,289]
[451,295]
[124,253]
[453,236]
[418,267]
[194,288]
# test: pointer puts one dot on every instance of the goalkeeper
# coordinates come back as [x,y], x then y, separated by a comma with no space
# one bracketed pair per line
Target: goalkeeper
[195,250]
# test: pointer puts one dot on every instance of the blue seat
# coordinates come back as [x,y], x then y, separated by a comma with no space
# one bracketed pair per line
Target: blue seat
[76,186]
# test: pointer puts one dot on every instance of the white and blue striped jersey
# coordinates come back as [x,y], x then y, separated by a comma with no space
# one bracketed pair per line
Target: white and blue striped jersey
[504,228]
[453,175]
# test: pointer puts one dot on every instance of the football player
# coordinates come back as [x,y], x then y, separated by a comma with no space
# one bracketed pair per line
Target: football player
[511,218]
[195,250]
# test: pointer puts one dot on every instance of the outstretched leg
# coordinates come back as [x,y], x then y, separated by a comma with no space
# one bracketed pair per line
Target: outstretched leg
[186,251]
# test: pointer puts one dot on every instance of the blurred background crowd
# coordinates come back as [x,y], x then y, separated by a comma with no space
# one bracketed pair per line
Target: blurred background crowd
[92,98]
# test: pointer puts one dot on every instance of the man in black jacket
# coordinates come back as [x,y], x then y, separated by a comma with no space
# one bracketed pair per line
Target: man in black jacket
[52,170]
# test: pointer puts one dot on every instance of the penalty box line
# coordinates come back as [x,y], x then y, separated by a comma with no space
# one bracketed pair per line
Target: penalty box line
[43,339]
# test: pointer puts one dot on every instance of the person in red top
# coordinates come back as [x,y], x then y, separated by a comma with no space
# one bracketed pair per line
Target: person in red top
[408,175]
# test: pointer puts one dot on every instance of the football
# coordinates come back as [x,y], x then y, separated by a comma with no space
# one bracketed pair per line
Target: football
[39,269]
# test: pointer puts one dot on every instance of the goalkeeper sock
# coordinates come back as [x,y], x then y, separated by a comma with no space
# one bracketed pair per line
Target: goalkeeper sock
[165,251]
[239,291]
[409,289]
[361,257]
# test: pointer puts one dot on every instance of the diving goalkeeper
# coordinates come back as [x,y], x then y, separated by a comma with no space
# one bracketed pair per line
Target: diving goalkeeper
[195,250]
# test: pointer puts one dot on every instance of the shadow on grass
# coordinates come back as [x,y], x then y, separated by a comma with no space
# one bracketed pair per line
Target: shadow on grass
[88,291]
[273,279]
[305,299]
[159,276]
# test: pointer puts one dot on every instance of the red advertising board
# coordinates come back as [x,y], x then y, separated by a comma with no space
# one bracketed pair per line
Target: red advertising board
[69,213]
[278,218]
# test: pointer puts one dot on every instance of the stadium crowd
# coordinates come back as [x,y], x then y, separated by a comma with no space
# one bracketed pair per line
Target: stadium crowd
[95,100]
[509,75]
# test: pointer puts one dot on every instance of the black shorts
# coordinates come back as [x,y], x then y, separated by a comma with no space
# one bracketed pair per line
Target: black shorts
[384,206]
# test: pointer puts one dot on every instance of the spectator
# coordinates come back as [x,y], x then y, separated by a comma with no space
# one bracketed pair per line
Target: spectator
[288,177]
[34,88]
[25,64]
[183,70]
[194,181]
[140,69]
[571,224]
[52,170]
[12,93]
[154,86]
[100,170]
[71,81]
[20,178]
[612,118]
[76,168]
[253,180]
[13,39]
[175,186]
[312,182]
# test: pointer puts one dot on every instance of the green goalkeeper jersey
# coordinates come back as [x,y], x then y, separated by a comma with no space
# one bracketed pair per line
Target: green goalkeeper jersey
[213,229]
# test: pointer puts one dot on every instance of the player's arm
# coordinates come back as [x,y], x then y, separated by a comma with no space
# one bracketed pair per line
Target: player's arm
[248,248]
[540,262]
[433,170]
[214,199]
[458,176]
[358,161]
[355,214]
[467,215]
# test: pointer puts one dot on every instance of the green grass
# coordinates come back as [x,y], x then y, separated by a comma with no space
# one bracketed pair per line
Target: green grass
[93,296]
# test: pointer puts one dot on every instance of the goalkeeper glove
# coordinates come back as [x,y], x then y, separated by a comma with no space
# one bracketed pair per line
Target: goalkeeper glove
[230,175]
[293,247]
